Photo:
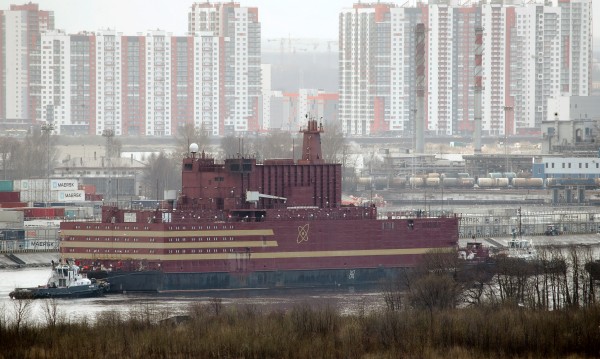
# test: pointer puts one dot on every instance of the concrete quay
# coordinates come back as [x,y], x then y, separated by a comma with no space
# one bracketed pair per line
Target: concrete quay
[28,259]
[564,240]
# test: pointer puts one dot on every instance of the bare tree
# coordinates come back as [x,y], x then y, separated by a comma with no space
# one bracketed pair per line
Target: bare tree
[232,146]
[277,144]
[145,312]
[434,291]
[3,319]
[333,145]
[476,283]
[21,312]
[8,148]
[161,173]
[431,285]
[32,155]
[588,293]
[511,278]
[393,292]
[52,313]
[188,134]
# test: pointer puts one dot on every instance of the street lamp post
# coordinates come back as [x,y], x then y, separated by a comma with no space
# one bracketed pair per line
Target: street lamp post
[47,128]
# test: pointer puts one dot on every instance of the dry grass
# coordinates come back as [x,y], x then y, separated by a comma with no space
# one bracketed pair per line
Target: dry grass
[217,331]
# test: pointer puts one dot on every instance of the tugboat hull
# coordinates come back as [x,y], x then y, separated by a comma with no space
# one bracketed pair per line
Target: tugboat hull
[83,291]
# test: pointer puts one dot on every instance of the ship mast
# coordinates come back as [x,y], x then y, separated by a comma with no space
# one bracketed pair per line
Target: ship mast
[311,144]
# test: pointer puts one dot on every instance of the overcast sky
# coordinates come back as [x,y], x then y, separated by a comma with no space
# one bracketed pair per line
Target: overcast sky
[279,18]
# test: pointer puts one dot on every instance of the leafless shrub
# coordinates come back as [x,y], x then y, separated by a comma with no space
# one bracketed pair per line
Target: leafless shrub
[51,312]
[216,304]
[21,312]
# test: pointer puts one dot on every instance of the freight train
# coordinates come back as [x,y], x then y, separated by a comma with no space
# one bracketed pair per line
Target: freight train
[463,180]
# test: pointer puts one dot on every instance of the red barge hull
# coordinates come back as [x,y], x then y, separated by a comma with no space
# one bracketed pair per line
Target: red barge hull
[279,253]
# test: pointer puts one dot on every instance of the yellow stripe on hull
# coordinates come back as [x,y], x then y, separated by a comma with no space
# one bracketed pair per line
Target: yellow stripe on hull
[272,255]
[167,245]
[120,233]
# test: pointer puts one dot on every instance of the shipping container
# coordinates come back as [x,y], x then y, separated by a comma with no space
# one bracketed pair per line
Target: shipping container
[31,184]
[43,212]
[55,196]
[71,196]
[42,233]
[88,188]
[79,212]
[11,225]
[12,234]
[94,197]
[13,204]
[6,186]
[64,185]
[11,216]
[9,197]
[39,244]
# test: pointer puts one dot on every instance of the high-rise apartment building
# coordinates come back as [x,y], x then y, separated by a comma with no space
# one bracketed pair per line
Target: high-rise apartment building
[153,83]
[182,82]
[465,22]
[108,82]
[68,81]
[158,83]
[208,94]
[531,51]
[535,63]
[402,69]
[440,53]
[495,60]
[146,84]
[82,72]
[365,68]
[137,90]
[238,30]
[20,63]
[55,104]
[576,47]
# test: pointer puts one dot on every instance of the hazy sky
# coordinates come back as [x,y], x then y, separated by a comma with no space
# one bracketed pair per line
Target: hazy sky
[279,18]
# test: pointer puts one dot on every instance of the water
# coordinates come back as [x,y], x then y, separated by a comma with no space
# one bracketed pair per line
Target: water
[345,301]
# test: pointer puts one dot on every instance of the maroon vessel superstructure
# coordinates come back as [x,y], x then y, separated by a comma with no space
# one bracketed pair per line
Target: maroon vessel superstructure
[241,224]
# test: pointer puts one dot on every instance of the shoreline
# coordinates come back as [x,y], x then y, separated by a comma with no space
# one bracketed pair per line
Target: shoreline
[16,260]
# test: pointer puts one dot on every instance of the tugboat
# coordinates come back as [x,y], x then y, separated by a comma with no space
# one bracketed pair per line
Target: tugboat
[519,247]
[66,281]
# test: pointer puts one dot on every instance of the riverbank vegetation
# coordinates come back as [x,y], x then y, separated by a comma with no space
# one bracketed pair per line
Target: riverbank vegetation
[216,331]
[545,308]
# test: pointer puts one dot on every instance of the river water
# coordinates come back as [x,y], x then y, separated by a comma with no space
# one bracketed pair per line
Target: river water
[345,301]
